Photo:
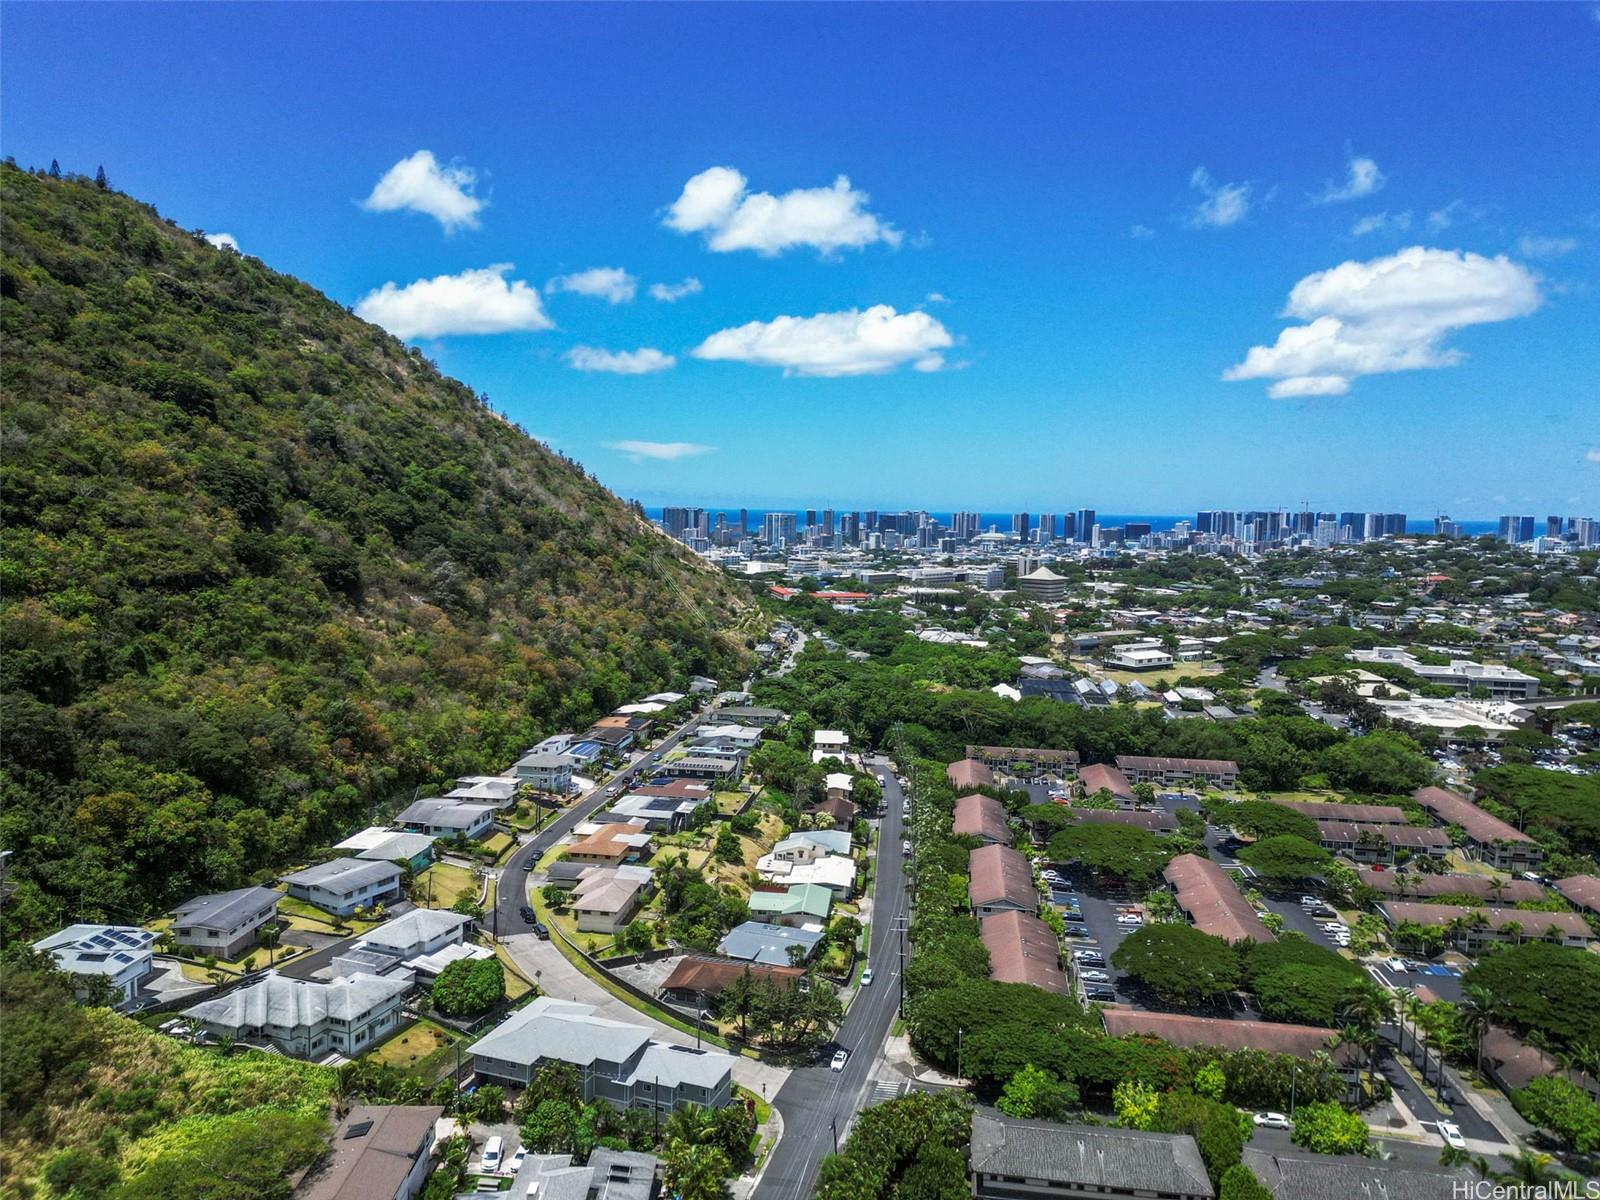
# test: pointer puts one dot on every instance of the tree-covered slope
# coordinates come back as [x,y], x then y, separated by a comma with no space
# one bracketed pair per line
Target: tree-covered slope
[265,568]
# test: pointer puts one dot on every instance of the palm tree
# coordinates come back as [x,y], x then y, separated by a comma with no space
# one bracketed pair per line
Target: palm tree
[1528,1168]
[1476,1010]
[689,1124]
[1449,1156]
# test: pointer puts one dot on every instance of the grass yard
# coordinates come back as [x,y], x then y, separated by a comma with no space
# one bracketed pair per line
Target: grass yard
[497,844]
[411,1044]
[442,884]
[308,918]
[729,803]
[516,985]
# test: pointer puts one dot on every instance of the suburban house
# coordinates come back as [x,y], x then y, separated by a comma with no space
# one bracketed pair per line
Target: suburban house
[379,1152]
[1000,880]
[1170,772]
[772,945]
[1156,820]
[982,817]
[343,885]
[1022,949]
[306,1019]
[965,774]
[1382,843]
[747,715]
[800,904]
[1211,900]
[699,977]
[745,737]
[447,818]
[1013,1159]
[1514,1064]
[611,1174]
[1027,763]
[1297,1174]
[119,954]
[421,932]
[498,790]
[613,739]
[663,807]
[832,871]
[1097,778]
[1490,839]
[1140,657]
[1471,929]
[839,785]
[616,1062]
[705,764]
[605,898]
[812,844]
[610,845]
[545,771]
[841,812]
[378,843]
[1218,1033]
[829,743]
[225,923]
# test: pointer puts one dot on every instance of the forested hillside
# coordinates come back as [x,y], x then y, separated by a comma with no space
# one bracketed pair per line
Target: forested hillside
[265,568]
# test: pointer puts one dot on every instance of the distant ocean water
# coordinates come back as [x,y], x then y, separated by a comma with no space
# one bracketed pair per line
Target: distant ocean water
[1002,521]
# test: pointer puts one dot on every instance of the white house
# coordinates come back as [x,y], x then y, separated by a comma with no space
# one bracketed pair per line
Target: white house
[442,818]
[306,1019]
[119,954]
[345,884]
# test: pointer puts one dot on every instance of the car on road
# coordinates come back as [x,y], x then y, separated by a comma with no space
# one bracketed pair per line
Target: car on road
[1451,1134]
[528,915]
[1272,1120]
[840,1057]
[866,977]
[1093,976]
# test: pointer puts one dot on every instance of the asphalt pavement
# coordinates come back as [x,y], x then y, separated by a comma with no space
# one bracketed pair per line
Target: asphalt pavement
[512,893]
[817,1103]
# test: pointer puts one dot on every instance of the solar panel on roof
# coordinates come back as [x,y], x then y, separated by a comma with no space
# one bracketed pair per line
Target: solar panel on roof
[359,1129]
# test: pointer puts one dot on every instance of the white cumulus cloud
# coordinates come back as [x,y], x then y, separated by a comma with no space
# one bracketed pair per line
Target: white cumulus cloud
[661,451]
[1383,222]
[719,204]
[1362,179]
[224,241]
[422,184]
[611,284]
[643,361]
[1592,454]
[1141,232]
[1534,246]
[475,301]
[671,293]
[853,342]
[1387,314]
[1224,204]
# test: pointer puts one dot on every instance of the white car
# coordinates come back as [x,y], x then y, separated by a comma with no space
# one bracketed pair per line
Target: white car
[1310,901]
[1093,976]
[515,1164]
[1452,1135]
[1395,964]
[840,1057]
[866,977]
[1272,1120]
[1130,919]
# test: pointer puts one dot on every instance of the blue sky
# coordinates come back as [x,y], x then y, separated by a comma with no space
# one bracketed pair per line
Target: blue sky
[1063,226]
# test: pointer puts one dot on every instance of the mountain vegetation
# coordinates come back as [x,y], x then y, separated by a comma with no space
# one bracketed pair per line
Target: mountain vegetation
[267,572]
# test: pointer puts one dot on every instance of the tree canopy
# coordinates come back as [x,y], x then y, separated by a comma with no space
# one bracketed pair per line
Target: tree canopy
[1179,962]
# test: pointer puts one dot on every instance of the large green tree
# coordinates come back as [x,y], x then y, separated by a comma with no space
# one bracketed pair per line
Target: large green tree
[1119,851]
[1179,963]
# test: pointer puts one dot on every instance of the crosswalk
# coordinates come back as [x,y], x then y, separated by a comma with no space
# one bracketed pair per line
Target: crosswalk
[884,1090]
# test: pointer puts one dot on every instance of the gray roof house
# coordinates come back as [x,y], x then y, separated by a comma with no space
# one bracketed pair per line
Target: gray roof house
[304,1018]
[343,885]
[447,818]
[421,932]
[225,923]
[757,941]
[379,1152]
[616,1061]
[614,1174]
[1301,1175]
[1079,1160]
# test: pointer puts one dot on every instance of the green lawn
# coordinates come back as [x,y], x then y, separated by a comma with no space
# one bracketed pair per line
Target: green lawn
[413,1046]
[442,884]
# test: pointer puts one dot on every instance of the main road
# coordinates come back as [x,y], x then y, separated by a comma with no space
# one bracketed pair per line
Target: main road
[817,1103]
[511,893]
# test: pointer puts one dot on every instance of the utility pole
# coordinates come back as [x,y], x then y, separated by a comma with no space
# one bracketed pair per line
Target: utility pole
[833,1124]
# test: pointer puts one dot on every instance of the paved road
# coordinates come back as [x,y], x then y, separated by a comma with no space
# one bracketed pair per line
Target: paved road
[816,1102]
[511,895]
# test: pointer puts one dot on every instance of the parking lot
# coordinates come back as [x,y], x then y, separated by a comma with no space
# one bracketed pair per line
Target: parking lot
[1099,930]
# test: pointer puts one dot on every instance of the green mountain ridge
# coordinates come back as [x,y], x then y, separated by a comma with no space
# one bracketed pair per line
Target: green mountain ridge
[264,570]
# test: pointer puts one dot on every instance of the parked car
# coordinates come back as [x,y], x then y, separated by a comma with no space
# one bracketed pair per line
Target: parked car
[1101,993]
[1093,960]
[840,1057]
[1451,1134]
[529,915]
[1130,919]
[493,1149]
[1073,916]
[1092,976]
[1310,902]
[866,977]
[515,1164]
[1272,1120]
[905,849]
[540,932]
[1395,964]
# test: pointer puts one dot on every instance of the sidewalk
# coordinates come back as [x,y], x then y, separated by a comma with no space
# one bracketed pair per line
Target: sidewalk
[897,1053]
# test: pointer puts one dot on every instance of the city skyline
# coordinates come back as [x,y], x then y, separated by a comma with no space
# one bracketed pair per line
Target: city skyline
[1092,261]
